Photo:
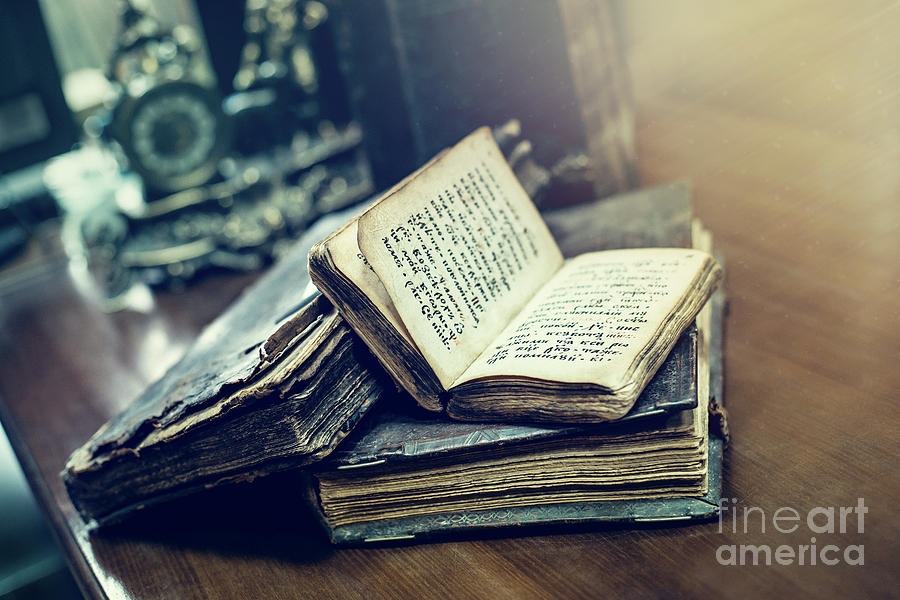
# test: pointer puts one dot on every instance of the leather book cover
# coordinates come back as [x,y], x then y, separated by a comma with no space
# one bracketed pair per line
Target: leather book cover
[273,383]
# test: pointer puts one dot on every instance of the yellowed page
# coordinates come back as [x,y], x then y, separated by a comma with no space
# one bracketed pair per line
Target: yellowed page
[593,319]
[460,249]
[349,260]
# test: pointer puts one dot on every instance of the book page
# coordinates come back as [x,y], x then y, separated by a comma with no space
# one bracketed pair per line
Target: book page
[593,319]
[460,249]
[350,261]
[343,248]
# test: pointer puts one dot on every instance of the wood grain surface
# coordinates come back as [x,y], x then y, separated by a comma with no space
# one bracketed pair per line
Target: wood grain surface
[786,118]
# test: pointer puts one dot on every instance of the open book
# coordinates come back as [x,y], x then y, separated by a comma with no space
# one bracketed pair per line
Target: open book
[457,286]
[407,475]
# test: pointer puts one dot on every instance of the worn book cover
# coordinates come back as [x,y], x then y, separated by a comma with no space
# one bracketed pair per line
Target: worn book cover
[275,382]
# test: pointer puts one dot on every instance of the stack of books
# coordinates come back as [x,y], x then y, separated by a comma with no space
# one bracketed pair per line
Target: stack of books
[456,371]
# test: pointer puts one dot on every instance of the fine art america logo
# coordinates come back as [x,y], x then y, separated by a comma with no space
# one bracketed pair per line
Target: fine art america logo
[818,521]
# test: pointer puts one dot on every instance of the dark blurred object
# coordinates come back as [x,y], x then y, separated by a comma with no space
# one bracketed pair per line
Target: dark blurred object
[288,78]
[223,27]
[25,195]
[24,203]
[35,122]
[423,74]
[169,119]
[13,239]
[518,152]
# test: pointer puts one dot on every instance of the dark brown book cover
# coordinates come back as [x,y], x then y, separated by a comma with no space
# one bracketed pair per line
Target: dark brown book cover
[273,383]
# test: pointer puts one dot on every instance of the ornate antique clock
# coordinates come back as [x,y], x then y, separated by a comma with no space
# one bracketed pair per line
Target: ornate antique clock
[168,120]
[174,134]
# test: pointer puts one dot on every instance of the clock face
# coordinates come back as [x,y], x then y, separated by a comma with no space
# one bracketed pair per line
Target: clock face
[174,135]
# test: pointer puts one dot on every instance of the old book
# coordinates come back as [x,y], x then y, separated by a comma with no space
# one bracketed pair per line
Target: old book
[275,382]
[406,475]
[455,282]
[410,477]
[422,74]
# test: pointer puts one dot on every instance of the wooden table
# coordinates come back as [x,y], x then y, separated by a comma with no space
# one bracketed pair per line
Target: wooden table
[786,116]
